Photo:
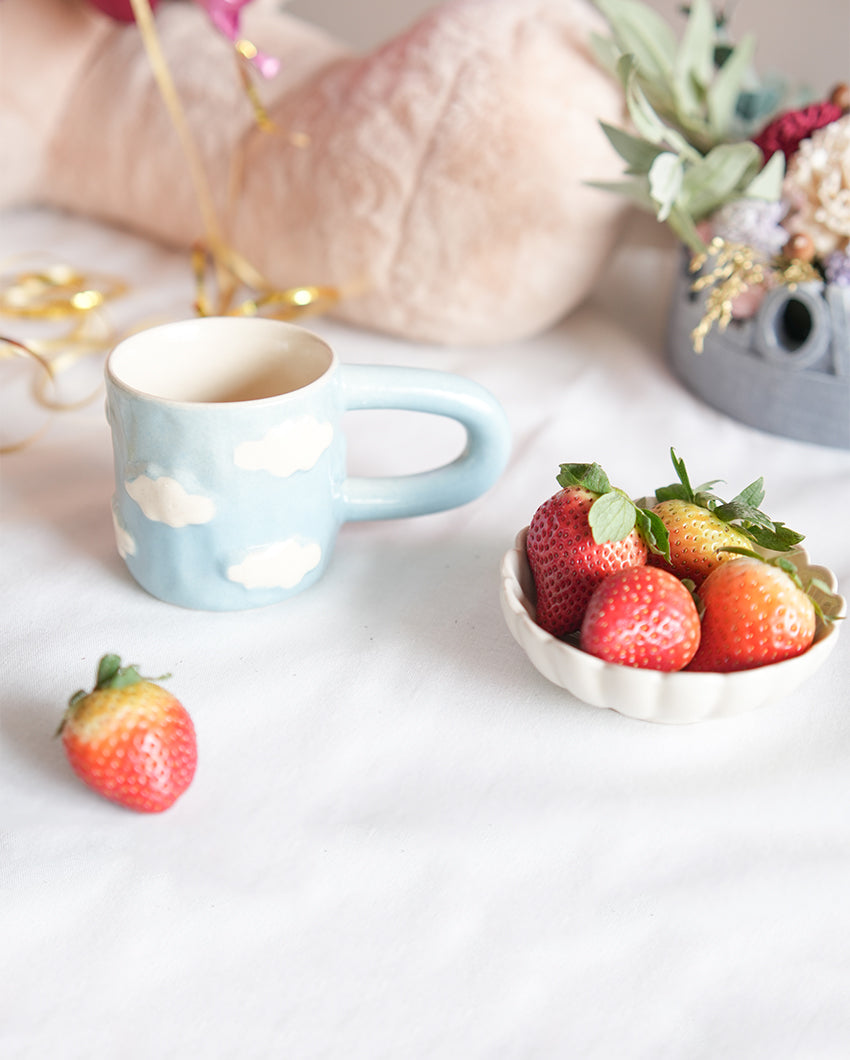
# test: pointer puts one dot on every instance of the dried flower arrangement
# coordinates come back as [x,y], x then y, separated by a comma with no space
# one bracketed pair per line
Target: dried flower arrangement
[759,198]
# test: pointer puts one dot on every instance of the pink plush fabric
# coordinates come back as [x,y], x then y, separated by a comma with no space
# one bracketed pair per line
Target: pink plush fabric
[444,173]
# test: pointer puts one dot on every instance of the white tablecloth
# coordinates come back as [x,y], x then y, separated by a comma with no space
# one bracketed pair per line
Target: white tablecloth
[401,841]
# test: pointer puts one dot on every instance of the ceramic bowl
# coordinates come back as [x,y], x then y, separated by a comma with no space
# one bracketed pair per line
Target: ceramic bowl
[649,695]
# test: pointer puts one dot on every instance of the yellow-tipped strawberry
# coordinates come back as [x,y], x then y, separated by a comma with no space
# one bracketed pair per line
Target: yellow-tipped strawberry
[129,739]
[701,527]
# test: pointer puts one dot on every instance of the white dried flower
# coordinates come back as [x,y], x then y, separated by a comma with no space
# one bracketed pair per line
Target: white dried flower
[817,188]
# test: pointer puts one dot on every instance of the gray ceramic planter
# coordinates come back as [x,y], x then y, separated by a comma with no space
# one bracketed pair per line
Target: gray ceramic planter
[786,370]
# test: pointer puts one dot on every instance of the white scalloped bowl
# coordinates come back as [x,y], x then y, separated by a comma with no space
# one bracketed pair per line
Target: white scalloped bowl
[650,695]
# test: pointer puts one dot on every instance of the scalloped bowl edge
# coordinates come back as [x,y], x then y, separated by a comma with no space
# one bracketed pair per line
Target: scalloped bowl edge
[650,695]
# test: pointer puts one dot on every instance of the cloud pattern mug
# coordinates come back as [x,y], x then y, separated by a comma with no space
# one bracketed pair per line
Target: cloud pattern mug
[230,459]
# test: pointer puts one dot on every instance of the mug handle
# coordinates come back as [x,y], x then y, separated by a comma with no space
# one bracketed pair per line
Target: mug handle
[425,390]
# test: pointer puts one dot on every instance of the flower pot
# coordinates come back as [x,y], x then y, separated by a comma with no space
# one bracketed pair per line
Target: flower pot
[785,370]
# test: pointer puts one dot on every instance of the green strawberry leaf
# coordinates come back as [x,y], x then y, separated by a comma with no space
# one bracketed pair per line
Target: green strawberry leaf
[691,586]
[652,529]
[744,513]
[589,476]
[752,494]
[788,567]
[684,491]
[107,668]
[611,517]
[111,674]
[777,537]
[677,491]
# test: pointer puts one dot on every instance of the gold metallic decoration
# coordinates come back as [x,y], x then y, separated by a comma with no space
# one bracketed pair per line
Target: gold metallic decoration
[245,52]
[64,305]
[55,293]
[54,290]
[736,269]
[230,271]
[10,347]
[241,291]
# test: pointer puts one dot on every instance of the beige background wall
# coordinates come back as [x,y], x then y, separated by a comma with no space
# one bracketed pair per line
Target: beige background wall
[807,40]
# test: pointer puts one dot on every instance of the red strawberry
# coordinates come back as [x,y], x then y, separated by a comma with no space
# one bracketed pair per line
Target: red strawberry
[643,617]
[577,537]
[756,612]
[129,739]
[701,527]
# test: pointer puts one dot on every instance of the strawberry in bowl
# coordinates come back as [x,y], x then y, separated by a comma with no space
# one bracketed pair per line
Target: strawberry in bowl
[650,642]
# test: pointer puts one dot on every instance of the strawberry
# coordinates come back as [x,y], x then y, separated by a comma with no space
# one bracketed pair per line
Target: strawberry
[643,617]
[701,527]
[129,739]
[756,612]
[577,537]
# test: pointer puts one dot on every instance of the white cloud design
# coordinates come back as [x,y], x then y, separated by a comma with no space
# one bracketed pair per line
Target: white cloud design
[123,538]
[292,446]
[164,500]
[278,566]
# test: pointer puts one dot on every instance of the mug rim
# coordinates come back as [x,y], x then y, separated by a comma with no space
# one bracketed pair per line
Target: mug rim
[235,322]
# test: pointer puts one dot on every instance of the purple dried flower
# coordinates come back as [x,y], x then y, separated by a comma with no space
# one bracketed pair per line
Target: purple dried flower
[753,222]
[837,268]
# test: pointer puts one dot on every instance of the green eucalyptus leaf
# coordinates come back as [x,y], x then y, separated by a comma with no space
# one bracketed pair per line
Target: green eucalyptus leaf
[767,184]
[665,182]
[695,59]
[637,153]
[636,191]
[725,89]
[643,33]
[605,52]
[665,135]
[682,224]
[725,170]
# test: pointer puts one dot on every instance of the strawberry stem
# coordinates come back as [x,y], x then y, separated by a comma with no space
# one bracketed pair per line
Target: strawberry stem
[110,674]
[742,512]
[613,515]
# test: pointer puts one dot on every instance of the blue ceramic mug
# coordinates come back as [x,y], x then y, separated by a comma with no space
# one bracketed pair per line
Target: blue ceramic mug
[230,460]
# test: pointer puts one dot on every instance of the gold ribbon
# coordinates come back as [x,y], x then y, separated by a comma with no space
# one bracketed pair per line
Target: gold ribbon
[214,254]
[63,298]
[226,283]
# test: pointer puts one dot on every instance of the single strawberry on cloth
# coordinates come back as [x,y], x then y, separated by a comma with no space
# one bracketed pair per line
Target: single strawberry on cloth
[129,739]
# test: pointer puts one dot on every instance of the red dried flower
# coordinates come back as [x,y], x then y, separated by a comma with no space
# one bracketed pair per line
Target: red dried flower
[788,130]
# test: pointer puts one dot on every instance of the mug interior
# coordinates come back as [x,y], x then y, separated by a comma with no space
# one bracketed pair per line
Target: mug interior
[220,360]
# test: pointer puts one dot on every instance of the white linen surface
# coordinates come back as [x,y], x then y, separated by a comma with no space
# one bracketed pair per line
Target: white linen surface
[402,842]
